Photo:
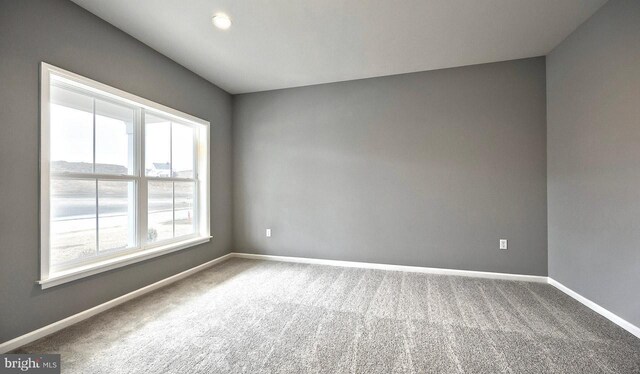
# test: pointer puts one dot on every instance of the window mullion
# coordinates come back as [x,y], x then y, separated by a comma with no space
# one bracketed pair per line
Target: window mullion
[166,179]
[173,207]
[93,168]
[97,220]
[93,101]
[196,184]
[110,177]
[142,197]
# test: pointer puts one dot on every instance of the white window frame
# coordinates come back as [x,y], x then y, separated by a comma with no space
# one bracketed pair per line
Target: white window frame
[52,276]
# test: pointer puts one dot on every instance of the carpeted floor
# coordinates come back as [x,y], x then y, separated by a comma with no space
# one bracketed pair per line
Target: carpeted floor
[247,316]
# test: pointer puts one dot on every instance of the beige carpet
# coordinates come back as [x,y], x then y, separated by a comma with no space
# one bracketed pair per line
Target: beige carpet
[246,316]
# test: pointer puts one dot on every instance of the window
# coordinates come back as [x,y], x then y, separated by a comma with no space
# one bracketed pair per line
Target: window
[123,179]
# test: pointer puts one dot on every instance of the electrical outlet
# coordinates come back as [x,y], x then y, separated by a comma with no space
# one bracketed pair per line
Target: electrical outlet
[268,233]
[503,243]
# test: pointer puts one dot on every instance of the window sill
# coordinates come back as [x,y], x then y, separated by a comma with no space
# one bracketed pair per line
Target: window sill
[117,262]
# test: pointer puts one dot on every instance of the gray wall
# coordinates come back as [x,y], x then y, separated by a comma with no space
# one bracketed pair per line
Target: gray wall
[425,169]
[67,36]
[594,159]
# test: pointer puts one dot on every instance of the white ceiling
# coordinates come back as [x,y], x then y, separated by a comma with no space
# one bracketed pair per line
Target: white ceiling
[286,43]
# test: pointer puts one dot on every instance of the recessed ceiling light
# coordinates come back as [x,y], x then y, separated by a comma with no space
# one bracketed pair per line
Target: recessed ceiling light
[221,21]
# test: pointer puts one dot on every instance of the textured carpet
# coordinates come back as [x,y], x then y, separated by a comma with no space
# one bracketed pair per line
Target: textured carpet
[246,316]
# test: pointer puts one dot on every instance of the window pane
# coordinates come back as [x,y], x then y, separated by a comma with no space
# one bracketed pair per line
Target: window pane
[114,138]
[116,214]
[160,211]
[184,200]
[71,131]
[73,220]
[182,150]
[157,147]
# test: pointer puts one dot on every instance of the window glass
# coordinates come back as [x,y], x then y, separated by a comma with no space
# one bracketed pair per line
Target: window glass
[71,131]
[182,147]
[184,193]
[116,215]
[115,139]
[160,206]
[157,147]
[73,220]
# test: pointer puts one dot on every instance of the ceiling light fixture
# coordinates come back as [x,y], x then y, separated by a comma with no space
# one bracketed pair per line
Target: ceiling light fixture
[221,21]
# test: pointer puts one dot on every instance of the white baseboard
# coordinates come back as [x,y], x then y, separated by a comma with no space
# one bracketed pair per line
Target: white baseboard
[633,329]
[413,269]
[57,326]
